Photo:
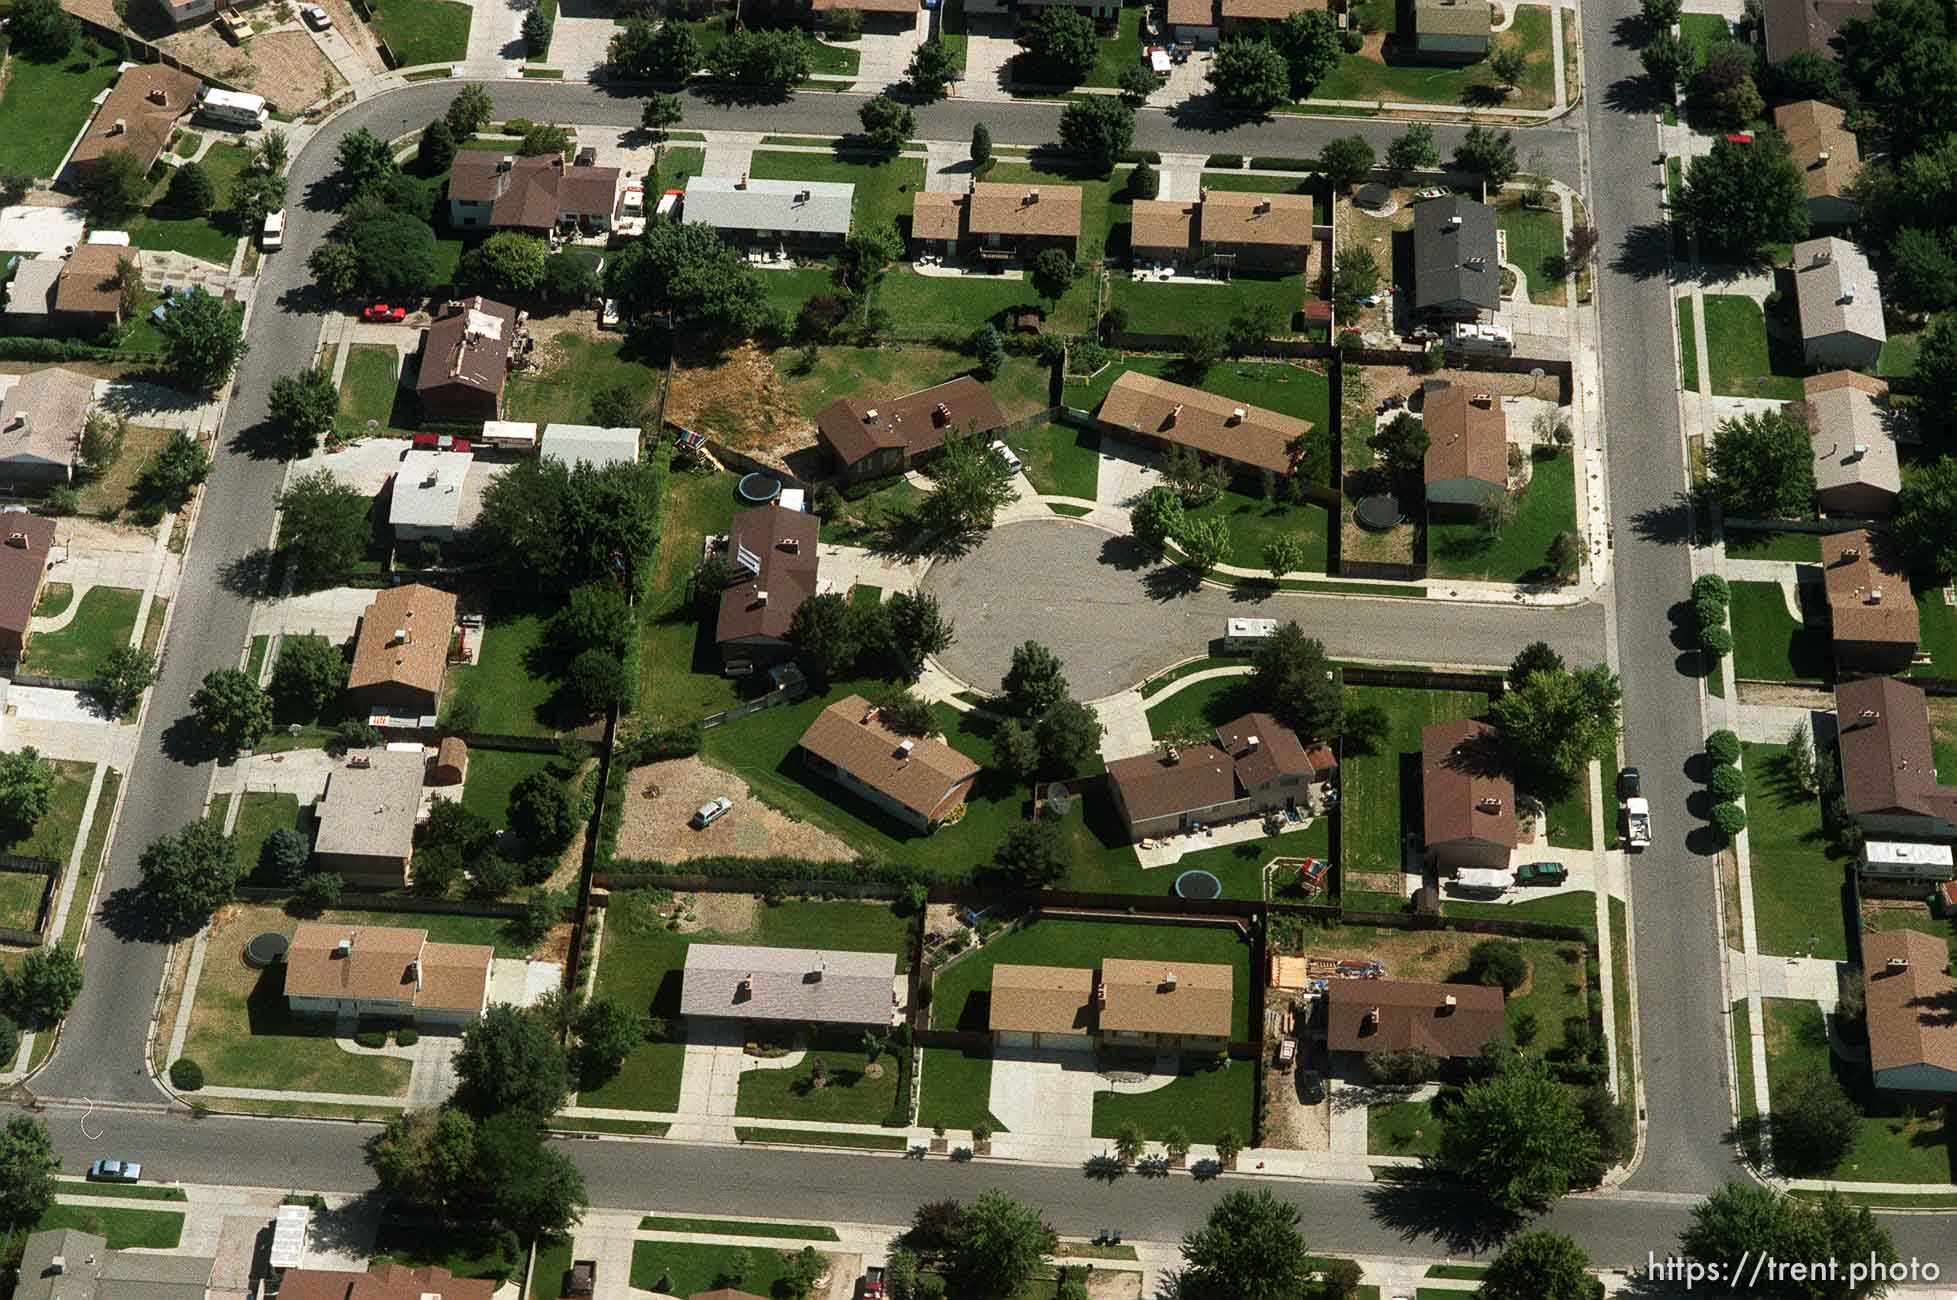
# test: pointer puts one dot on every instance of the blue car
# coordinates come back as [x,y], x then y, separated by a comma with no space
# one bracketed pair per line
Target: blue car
[115,1171]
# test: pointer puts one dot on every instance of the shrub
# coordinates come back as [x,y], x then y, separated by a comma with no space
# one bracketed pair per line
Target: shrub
[1725,783]
[1710,586]
[371,1038]
[406,1036]
[186,1075]
[1227,161]
[1497,961]
[1730,818]
[1353,42]
[1723,746]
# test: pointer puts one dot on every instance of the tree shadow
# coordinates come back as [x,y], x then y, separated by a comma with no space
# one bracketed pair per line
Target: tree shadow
[1253,591]
[1634,95]
[1126,554]
[1104,1169]
[187,741]
[1419,1204]
[1208,112]
[129,916]
[1169,582]
[263,440]
[251,574]
[1670,524]
[1646,253]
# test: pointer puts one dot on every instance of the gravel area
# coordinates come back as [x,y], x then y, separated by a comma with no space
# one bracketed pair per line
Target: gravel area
[661,797]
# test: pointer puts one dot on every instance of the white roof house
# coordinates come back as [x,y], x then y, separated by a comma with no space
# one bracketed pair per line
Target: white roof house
[735,203]
[1840,304]
[806,985]
[518,435]
[428,495]
[289,1236]
[587,443]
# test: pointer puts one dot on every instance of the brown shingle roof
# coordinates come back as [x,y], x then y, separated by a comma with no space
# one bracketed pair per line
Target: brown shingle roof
[1192,13]
[535,191]
[785,543]
[1790,25]
[425,618]
[1204,421]
[1278,751]
[1256,220]
[1413,1013]
[1202,776]
[1886,760]
[1019,209]
[1465,793]
[1464,438]
[148,99]
[1868,593]
[913,421]
[866,6]
[849,735]
[55,403]
[382,1282]
[1268,10]
[1042,999]
[476,176]
[1811,129]
[469,346]
[22,566]
[937,215]
[87,284]
[383,962]
[1157,996]
[1911,1011]
[1162,223]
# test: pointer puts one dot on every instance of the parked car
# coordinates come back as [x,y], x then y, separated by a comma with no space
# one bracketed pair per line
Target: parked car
[870,1285]
[1630,783]
[115,1171]
[709,813]
[1311,1087]
[1541,873]
[233,29]
[316,18]
[271,236]
[384,312]
[1005,453]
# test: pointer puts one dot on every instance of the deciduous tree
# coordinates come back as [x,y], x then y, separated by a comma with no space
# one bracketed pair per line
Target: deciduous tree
[1411,151]
[998,1245]
[1541,1265]
[1554,723]
[232,709]
[1517,1137]
[1249,1248]
[190,873]
[969,483]
[887,123]
[191,190]
[203,340]
[122,676]
[325,525]
[1100,127]
[1061,40]
[1346,161]
[310,674]
[541,811]
[1744,1220]
[1488,152]
[305,404]
[1402,443]
[688,270]
[470,111]
[1035,681]
[1739,198]
[932,69]
[1762,466]
[46,985]
[1250,75]
[1292,677]
[1204,542]
[509,1063]
[1310,43]
[27,1165]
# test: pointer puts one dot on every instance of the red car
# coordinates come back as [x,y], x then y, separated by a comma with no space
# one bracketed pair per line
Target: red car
[380,311]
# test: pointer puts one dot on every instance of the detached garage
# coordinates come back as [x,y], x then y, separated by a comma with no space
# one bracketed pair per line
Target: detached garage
[1047,1008]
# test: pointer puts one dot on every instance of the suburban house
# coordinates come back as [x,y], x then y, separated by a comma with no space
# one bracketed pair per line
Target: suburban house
[998,221]
[1152,1005]
[385,970]
[1467,797]
[1193,22]
[1788,26]
[1456,263]
[534,195]
[138,115]
[871,438]
[30,294]
[366,818]
[1042,1007]
[797,986]
[1453,30]
[465,357]
[587,444]
[1852,431]
[920,781]
[41,420]
[388,1281]
[1162,230]
[1911,1010]
[1825,151]
[86,299]
[1888,770]
[431,501]
[1160,414]
[1467,447]
[184,13]
[878,15]
[401,652]
[68,1264]
[25,540]
[1840,305]
[1256,765]
[772,552]
[1452,1021]
[1225,231]
[1871,610]
[801,214]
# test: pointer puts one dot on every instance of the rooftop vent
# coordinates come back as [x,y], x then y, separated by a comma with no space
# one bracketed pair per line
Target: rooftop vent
[815,975]
[1861,450]
[1491,804]
[870,416]
[1250,743]
[1823,156]
[343,947]
[1847,296]
[157,96]
[506,162]
[1237,415]
[17,540]
[793,545]
[119,127]
[57,1266]
[1263,206]
[803,196]
[1897,963]
[1448,1004]
[1169,980]
[1173,754]
[1453,221]
[741,184]
[1033,195]
[1875,595]
[400,636]
[1372,1018]
[744,991]
[1870,715]
[905,746]
[1486,401]
[1174,412]
[761,597]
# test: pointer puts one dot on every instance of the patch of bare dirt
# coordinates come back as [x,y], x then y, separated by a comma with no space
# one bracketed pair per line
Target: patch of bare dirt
[661,798]
[82,536]
[285,67]
[1290,1123]
[720,913]
[1806,697]
[738,398]
[1114,1284]
[290,71]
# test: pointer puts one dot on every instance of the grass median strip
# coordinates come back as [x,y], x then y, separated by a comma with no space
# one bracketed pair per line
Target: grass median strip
[128,1191]
[823,1138]
[739,1228]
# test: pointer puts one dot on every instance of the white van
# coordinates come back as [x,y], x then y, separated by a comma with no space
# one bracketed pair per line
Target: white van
[272,237]
[234,109]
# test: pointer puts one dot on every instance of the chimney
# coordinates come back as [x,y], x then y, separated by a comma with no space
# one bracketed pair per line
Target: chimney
[870,416]
[414,972]
[1169,980]
[1371,1020]
[157,96]
[58,1265]
[1491,804]
[761,597]
[1237,415]
[744,991]
[1448,1004]
[1870,715]
[1032,196]
[1897,963]
[1861,450]
[1823,156]
[1250,743]
[1174,412]
[905,746]
[1852,553]
[1454,222]
[400,637]
[793,545]
[1486,401]
[803,196]
[344,947]
[1823,256]
[505,163]
[815,976]
[1173,754]
[1262,206]
[119,127]
[1847,296]
[17,540]
[1875,595]
[1101,994]
[941,414]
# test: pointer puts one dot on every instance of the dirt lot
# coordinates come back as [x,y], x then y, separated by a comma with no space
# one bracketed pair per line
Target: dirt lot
[739,399]
[285,66]
[656,823]
[1288,1122]
[1383,382]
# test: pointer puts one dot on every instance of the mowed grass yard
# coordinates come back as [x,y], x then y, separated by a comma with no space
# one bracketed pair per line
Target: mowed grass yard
[1535,247]
[1206,1100]
[1893,1143]
[501,687]
[1396,73]
[686,1269]
[582,368]
[1157,308]
[923,306]
[493,773]
[1770,644]
[884,186]
[1744,361]
[1381,791]
[368,387]
[45,104]
[211,236]
[1520,552]
[54,834]
[1799,891]
[261,813]
[20,898]
[679,661]
[105,620]
[424,31]
[1061,460]
[849,1095]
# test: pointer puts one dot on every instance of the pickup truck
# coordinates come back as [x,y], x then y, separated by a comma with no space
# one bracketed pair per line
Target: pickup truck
[1637,823]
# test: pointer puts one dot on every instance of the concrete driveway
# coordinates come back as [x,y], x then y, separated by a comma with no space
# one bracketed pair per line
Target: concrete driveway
[1045,1094]
[580,41]
[882,56]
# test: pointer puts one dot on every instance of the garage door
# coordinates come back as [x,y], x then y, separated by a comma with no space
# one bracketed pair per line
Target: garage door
[1013,1038]
[1064,1042]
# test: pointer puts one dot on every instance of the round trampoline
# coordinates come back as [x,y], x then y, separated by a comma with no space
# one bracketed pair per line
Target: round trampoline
[759,488]
[1197,883]
[1378,512]
[266,949]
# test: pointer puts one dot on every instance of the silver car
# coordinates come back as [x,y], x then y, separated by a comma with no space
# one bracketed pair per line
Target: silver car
[316,18]
[709,813]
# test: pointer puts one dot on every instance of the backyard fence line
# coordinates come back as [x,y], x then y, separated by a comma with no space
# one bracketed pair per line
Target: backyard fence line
[53,683]
[393,903]
[23,864]
[1425,679]
[617,882]
[588,864]
[20,938]
[1819,527]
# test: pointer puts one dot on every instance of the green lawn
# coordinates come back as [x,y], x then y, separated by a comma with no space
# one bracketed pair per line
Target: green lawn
[1546,507]
[1768,644]
[586,367]
[1254,522]
[465,1249]
[1704,31]
[368,387]
[106,620]
[955,1090]
[493,773]
[738,1228]
[243,1035]
[547,1279]
[923,306]
[850,1096]
[1206,1100]
[1061,460]
[1894,1143]
[1535,245]
[1937,634]
[886,508]
[1577,907]
[1381,799]
[1399,74]
[503,687]
[20,898]
[1799,891]
[45,105]
[1897,359]
[1569,818]
[1157,308]
[788,290]
[210,237]
[54,835]
[261,813]
[962,996]
[679,661]
[124,1228]
[883,187]
[1745,363]
[1800,548]
[424,31]
[1207,704]
[1402,1128]
[1119,52]
[1742,1032]
[684,1269]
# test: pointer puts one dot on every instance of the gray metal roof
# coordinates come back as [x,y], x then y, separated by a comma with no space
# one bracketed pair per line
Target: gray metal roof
[804,984]
[1837,290]
[89,1269]
[428,489]
[594,446]
[1452,17]
[801,207]
[1454,254]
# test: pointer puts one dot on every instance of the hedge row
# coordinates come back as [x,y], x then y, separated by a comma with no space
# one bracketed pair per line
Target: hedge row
[1284,164]
[31,348]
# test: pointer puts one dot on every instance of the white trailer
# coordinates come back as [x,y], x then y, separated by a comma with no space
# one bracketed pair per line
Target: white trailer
[1637,823]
